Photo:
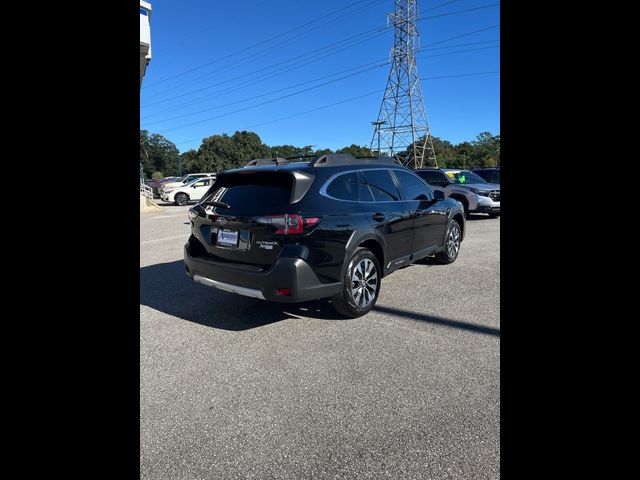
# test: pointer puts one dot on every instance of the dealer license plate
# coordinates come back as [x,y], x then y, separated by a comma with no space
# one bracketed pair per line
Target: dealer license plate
[227,238]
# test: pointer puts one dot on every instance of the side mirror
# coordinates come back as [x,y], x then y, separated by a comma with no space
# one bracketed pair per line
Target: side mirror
[438,195]
[193,186]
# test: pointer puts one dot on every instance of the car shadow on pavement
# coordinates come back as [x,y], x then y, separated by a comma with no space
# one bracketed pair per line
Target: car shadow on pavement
[166,288]
[445,322]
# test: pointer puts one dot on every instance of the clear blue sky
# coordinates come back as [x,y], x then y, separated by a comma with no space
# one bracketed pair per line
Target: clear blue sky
[188,34]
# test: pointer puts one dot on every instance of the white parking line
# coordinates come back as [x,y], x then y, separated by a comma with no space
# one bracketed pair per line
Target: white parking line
[163,239]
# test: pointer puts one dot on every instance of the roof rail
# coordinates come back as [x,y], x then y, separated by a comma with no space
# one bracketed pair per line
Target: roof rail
[335,159]
[266,161]
[297,157]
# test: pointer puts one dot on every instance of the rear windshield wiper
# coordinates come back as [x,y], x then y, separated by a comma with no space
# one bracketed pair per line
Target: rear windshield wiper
[217,204]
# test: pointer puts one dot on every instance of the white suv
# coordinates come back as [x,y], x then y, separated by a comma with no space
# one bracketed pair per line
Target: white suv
[183,181]
[192,191]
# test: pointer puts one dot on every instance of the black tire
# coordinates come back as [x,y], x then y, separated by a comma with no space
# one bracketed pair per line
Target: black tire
[451,244]
[351,304]
[181,199]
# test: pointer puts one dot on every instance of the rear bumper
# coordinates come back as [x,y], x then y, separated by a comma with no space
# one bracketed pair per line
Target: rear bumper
[292,273]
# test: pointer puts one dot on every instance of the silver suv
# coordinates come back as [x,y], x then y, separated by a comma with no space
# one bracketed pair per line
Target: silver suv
[475,193]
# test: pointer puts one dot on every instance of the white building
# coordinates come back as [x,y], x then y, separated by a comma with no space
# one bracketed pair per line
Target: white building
[145,37]
[146,201]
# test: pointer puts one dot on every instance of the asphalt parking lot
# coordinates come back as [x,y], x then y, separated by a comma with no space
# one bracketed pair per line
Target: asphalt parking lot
[238,388]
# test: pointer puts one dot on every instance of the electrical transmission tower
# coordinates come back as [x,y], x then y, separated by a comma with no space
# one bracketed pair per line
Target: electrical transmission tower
[402,128]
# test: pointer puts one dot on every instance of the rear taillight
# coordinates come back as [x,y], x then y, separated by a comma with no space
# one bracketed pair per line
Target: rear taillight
[288,224]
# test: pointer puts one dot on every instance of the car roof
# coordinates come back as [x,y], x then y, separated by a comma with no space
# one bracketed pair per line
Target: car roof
[331,162]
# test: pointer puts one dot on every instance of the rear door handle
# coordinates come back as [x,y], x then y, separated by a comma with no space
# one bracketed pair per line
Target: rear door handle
[378,217]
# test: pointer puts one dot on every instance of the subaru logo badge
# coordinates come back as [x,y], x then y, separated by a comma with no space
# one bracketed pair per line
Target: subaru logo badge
[221,220]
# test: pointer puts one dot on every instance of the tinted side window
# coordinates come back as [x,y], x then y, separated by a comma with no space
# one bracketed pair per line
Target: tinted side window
[344,187]
[381,185]
[435,178]
[364,192]
[443,180]
[412,187]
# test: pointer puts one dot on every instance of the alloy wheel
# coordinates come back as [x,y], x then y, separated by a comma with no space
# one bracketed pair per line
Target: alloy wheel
[364,283]
[453,242]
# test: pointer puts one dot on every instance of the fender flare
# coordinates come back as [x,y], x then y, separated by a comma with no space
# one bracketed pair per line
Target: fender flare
[356,240]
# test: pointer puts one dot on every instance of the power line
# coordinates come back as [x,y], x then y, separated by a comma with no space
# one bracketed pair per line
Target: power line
[226,91]
[463,35]
[441,5]
[347,100]
[293,86]
[371,34]
[378,30]
[266,94]
[177,42]
[343,101]
[459,45]
[303,83]
[267,50]
[287,32]
[241,86]
[294,66]
[257,44]
[313,110]
[459,11]
[272,100]
[459,51]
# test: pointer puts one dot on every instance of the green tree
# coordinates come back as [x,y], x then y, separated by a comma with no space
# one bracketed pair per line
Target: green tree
[486,150]
[286,151]
[222,152]
[323,151]
[189,160]
[157,154]
[357,151]
[157,176]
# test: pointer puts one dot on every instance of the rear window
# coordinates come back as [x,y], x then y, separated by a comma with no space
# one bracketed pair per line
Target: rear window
[252,191]
[344,187]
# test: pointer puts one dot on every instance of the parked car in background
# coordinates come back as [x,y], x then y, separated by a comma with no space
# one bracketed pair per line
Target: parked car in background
[332,227]
[183,181]
[490,174]
[156,184]
[191,192]
[475,193]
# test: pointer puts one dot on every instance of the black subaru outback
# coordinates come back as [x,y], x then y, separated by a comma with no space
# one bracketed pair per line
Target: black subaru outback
[330,227]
